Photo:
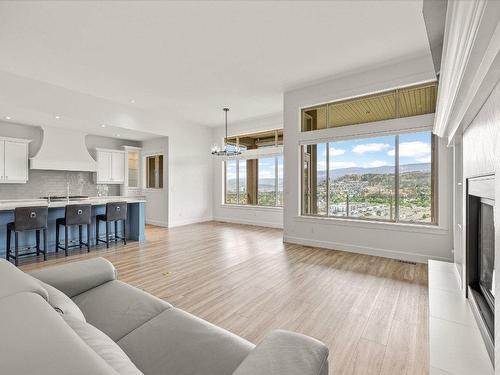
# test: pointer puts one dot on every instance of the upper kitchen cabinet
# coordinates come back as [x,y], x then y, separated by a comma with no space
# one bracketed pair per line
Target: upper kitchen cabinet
[14,160]
[110,166]
[132,182]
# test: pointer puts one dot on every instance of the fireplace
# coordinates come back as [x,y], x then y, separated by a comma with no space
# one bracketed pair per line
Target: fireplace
[480,271]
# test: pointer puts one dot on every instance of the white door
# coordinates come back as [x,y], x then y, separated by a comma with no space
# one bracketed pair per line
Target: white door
[103,166]
[2,160]
[16,161]
[118,167]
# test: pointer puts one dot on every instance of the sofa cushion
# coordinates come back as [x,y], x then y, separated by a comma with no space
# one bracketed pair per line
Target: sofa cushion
[77,277]
[35,340]
[13,281]
[117,308]
[176,342]
[61,302]
[284,352]
[106,348]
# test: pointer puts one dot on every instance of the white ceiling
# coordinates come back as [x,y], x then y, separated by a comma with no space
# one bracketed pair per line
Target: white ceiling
[181,62]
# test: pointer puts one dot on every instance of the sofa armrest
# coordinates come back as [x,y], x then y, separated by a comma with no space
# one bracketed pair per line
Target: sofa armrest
[77,277]
[283,352]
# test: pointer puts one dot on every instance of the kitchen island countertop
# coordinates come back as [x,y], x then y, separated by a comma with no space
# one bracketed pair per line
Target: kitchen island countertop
[11,204]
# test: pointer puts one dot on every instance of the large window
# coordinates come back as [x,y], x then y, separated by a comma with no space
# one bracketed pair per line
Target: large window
[403,102]
[252,141]
[389,178]
[257,182]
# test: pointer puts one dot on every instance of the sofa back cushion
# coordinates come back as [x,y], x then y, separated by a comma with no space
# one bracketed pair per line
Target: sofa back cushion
[36,340]
[13,281]
[106,348]
[117,308]
[62,303]
[77,277]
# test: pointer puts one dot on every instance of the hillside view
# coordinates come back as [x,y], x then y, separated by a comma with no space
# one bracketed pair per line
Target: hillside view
[370,192]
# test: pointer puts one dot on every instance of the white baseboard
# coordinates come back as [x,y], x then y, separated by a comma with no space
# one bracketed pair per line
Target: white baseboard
[190,221]
[249,222]
[401,255]
[157,223]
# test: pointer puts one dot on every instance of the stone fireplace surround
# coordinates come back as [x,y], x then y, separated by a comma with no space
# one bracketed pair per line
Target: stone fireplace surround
[480,234]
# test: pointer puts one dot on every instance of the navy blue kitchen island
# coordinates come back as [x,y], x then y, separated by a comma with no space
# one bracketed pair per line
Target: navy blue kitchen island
[135,221]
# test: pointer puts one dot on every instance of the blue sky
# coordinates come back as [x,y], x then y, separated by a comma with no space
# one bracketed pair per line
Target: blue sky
[376,152]
[266,168]
[365,153]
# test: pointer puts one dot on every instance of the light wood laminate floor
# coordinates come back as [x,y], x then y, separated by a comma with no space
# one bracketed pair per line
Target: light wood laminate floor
[370,311]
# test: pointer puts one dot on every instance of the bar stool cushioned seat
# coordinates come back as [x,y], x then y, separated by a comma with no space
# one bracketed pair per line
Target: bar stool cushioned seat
[74,214]
[28,219]
[115,211]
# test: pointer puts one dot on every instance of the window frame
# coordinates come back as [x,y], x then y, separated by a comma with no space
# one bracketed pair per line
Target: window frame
[396,133]
[357,98]
[161,172]
[276,182]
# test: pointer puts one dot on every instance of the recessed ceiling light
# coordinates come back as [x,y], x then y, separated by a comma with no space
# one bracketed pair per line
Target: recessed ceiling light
[103,125]
[8,117]
[118,135]
[132,101]
[58,117]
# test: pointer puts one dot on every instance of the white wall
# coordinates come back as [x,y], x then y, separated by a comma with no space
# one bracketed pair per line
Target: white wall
[34,133]
[187,178]
[157,199]
[262,216]
[95,141]
[189,175]
[481,156]
[409,242]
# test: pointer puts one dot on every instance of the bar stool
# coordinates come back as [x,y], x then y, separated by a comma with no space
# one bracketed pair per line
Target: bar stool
[28,219]
[74,214]
[115,211]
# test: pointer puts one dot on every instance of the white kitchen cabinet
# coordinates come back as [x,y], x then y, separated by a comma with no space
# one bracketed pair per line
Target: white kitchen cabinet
[2,160]
[132,181]
[13,160]
[110,166]
[118,167]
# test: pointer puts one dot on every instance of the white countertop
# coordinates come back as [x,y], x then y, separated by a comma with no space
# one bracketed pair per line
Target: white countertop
[11,204]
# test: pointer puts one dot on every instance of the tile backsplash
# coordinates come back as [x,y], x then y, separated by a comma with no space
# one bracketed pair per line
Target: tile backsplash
[41,183]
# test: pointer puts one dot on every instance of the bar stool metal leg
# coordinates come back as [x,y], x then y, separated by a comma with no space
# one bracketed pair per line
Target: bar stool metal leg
[80,236]
[16,244]
[9,235]
[124,231]
[107,234]
[37,235]
[66,240]
[97,222]
[45,244]
[57,238]
[88,238]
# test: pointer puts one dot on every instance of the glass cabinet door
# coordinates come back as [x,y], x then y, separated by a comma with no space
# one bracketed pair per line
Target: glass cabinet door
[133,169]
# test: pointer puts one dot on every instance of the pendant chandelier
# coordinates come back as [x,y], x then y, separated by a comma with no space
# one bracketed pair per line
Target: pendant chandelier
[225,151]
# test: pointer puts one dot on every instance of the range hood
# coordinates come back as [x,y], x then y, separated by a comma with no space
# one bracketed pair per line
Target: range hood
[63,150]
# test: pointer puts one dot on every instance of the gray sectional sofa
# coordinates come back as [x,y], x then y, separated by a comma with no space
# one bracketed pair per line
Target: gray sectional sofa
[79,319]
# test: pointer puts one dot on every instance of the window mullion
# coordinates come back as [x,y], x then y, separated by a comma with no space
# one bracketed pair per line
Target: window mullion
[237,181]
[225,181]
[275,181]
[327,178]
[396,180]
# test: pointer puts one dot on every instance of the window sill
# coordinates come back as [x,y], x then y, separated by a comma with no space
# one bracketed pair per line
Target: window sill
[251,207]
[380,225]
